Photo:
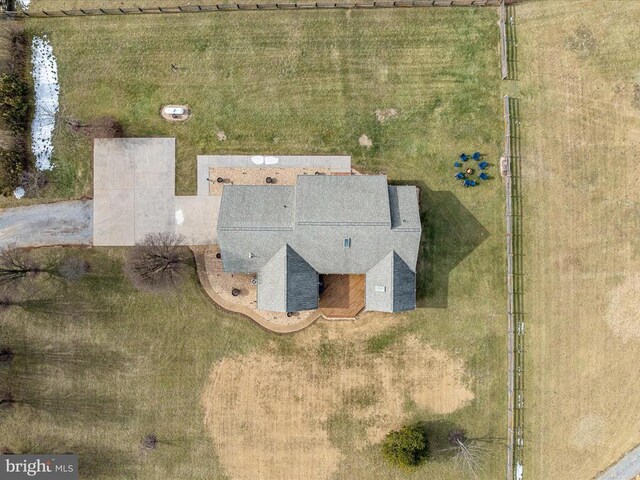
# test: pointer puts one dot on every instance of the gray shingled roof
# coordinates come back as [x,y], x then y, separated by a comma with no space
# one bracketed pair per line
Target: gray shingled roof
[287,283]
[321,213]
[405,214]
[253,208]
[391,285]
[342,200]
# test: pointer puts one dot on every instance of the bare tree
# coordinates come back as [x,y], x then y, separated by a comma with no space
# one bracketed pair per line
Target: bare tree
[149,442]
[157,262]
[468,453]
[33,181]
[17,264]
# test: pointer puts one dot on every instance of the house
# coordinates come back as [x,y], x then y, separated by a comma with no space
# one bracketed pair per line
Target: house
[324,224]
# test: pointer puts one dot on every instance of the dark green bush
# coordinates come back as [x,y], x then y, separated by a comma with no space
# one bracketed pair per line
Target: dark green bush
[407,447]
[12,165]
[15,102]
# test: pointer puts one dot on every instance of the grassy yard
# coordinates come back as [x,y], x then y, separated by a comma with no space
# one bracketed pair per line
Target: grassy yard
[276,82]
[580,112]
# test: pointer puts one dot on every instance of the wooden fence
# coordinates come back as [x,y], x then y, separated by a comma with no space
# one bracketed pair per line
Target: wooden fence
[515,311]
[503,41]
[225,7]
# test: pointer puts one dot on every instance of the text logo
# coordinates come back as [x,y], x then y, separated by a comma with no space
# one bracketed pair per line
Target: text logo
[45,467]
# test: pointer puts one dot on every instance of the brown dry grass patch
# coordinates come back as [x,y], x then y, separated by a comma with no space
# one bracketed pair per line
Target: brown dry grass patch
[578,65]
[287,414]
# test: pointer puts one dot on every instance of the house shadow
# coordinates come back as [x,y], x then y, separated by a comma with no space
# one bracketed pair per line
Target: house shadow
[450,233]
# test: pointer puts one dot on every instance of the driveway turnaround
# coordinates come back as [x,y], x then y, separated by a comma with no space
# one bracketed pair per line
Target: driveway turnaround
[62,223]
[627,468]
[134,195]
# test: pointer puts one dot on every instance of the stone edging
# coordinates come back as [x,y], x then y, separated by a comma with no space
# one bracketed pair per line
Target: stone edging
[198,254]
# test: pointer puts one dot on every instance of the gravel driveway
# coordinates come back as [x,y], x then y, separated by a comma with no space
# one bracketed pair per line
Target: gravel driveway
[625,469]
[62,223]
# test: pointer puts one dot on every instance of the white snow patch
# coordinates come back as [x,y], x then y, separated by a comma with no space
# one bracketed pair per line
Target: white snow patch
[179,217]
[23,4]
[271,160]
[45,82]
[19,192]
[518,471]
[257,159]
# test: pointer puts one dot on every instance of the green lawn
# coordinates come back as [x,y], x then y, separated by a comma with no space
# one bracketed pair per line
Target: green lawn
[276,82]
[281,82]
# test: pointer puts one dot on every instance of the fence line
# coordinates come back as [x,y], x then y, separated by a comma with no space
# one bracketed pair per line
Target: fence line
[503,41]
[220,7]
[515,315]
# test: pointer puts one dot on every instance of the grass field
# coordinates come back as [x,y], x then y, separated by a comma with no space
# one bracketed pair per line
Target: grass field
[281,82]
[274,82]
[580,111]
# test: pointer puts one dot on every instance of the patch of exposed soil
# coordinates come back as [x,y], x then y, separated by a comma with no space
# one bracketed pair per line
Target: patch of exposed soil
[623,316]
[221,136]
[365,141]
[386,114]
[589,432]
[274,414]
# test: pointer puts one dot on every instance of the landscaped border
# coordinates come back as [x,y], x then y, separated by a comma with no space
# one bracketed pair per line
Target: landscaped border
[198,254]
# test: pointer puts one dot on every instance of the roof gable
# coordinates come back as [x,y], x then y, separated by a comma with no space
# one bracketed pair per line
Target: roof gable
[390,285]
[287,283]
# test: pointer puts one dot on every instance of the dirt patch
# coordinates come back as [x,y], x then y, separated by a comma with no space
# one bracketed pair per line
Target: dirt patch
[623,316]
[636,96]
[103,127]
[285,412]
[589,432]
[582,42]
[221,136]
[386,114]
[365,141]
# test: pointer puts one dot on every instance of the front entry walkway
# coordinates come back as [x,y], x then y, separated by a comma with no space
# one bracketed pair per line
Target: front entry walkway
[343,295]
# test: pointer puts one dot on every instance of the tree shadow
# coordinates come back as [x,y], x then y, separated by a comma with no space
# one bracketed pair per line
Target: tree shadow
[450,233]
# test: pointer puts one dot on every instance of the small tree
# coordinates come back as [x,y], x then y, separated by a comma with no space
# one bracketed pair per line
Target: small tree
[17,264]
[149,442]
[407,447]
[157,262]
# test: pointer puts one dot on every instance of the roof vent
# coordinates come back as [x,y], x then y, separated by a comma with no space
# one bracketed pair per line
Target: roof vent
[347,243]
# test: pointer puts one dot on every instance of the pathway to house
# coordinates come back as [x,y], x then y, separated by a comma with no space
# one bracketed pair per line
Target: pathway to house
[61,223]
[627,468]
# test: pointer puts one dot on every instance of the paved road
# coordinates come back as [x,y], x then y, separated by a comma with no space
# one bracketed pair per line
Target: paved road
[625,469]
[61,223]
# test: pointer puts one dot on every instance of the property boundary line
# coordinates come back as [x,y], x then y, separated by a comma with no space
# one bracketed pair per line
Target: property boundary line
[229,7]
[515,313]
[503,41]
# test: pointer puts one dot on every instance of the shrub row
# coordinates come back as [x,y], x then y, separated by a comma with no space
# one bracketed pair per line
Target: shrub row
[16,107]
[15,102]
